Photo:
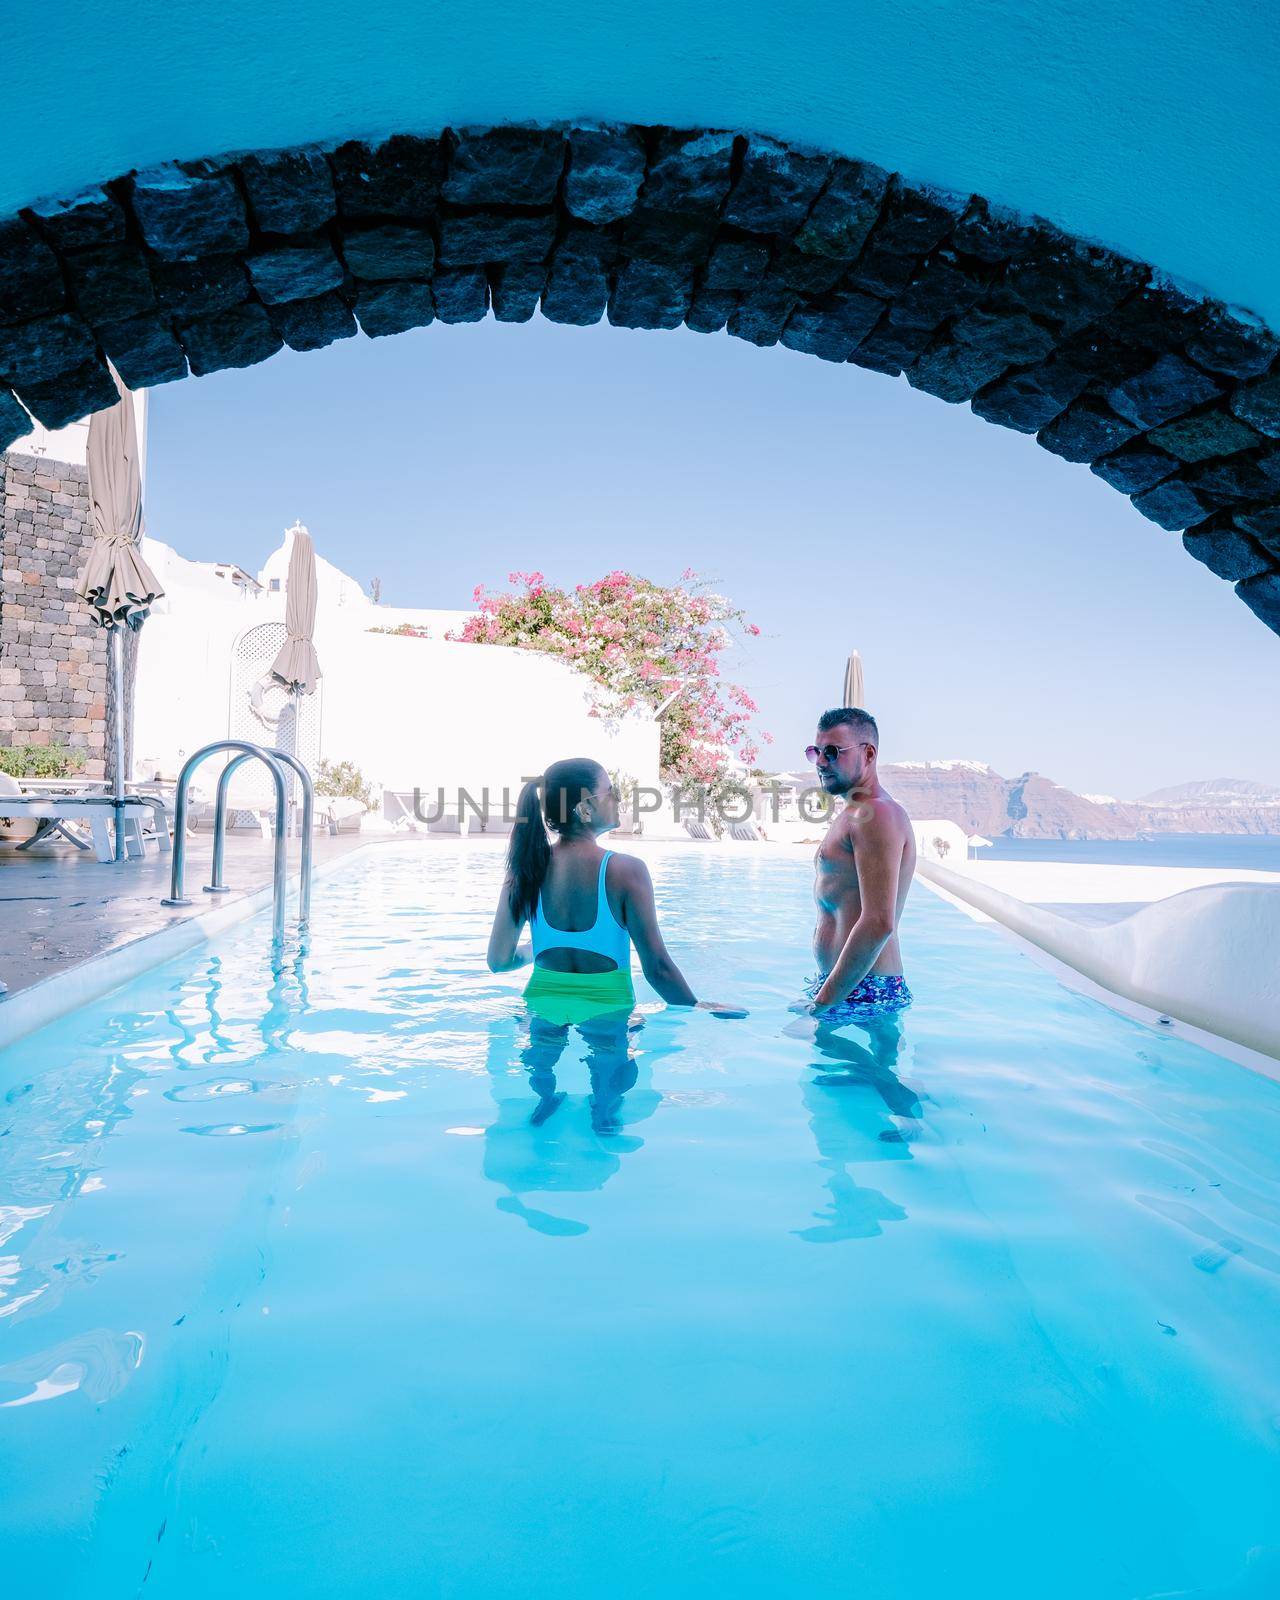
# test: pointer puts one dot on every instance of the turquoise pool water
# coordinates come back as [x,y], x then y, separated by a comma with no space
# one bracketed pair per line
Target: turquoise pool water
[311,1284]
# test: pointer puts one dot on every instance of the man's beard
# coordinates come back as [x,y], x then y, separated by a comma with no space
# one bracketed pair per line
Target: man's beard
[842,787]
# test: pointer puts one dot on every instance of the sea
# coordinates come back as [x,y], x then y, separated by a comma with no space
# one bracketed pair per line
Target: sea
[1247,852]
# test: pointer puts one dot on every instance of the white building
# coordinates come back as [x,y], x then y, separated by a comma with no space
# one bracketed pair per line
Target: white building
[407,710]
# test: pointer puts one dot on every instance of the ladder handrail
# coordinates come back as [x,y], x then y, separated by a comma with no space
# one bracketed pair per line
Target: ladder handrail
[308,827]
[279,872]
[216,885]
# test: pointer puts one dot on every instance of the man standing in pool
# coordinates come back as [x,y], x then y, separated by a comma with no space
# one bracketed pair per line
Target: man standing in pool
[863,871]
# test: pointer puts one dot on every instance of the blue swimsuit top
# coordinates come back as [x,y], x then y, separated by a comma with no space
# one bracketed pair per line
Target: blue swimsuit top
[605,937]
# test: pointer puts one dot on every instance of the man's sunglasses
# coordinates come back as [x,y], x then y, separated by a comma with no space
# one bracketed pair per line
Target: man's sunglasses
[830,752]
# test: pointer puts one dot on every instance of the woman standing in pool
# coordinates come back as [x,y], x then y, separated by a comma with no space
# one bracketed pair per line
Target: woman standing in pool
[585,906]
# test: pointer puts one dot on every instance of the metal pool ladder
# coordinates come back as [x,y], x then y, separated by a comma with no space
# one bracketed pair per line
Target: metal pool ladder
[275,761]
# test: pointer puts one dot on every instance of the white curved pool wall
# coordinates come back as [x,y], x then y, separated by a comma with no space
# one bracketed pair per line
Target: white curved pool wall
[1209,956]
[406,711]
[1150,127]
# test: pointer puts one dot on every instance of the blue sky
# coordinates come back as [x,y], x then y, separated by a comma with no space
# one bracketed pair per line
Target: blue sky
[1009,606]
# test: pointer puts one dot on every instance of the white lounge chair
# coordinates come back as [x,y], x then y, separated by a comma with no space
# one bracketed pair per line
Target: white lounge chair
[55,813]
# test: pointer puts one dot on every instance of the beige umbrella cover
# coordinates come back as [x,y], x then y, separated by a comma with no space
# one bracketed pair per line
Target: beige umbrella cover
[297,664]
[853,689]
[116,581]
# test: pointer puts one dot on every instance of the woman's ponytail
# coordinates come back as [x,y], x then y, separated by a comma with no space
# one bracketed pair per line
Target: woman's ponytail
[528,854]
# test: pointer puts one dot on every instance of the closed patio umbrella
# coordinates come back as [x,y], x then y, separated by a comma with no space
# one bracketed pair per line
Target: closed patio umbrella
[117,583]
[853,689]
[297,665]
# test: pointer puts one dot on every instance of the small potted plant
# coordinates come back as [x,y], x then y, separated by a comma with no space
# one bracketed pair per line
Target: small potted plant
[346,792]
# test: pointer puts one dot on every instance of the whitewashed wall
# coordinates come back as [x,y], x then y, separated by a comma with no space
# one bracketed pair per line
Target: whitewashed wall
[407,711]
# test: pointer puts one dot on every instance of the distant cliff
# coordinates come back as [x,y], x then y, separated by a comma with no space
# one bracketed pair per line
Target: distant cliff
[1031,807]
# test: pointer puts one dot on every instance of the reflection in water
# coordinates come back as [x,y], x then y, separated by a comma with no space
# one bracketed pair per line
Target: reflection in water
[855,1084]
[546,1139]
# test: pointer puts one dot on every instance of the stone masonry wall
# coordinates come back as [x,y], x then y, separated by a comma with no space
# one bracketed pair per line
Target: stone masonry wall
[1168,395]
[53,659]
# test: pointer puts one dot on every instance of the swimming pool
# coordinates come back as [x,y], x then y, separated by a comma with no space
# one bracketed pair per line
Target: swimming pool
[312,1285]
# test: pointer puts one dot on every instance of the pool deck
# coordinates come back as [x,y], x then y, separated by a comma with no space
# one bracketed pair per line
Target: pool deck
[61,907]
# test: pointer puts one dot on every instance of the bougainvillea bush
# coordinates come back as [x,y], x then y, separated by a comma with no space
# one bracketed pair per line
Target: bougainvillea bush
[639,642]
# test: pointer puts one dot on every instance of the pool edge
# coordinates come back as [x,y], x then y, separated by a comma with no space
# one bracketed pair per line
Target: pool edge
[32,1007]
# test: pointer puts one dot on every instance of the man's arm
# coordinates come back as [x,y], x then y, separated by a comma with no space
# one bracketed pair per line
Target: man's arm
[879,858]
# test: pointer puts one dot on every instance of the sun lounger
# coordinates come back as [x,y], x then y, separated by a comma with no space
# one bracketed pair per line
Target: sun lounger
[54,813]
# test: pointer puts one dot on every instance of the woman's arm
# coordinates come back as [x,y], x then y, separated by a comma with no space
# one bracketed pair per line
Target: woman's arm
[504,955]
[640,916]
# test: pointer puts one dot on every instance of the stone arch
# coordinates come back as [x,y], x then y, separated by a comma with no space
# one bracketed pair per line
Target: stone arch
[1169,396]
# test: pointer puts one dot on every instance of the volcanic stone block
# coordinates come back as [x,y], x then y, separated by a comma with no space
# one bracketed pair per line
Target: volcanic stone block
[143,351]
[1157,318]
[34,352]
[461,294]
[672,237]
[943,288]
[89,217]
[891,349]
[736,264]
[832,329]
[1268,460]
[1087,429]
[845,212]
[1205,434]
[1233,341]
[776,187]
[515,288]
[505,167]
[481,237]
[387,308]
[1166,389]
[690,173]
[1262,596]
[914,220]
[14,421]
[385,254]
[239,337]
[651,294]
[606,169]
[30,276]
[110,281]
[1227,554]
[995,233]
[1263,522]
[71,395]
[1258,404]
[313,323]
[711,309]
[761,315]
[807,274]
[190,210]
[196,288]
[1026,401]
[1235,480]
[980,347]
[578,284]
[1173,504]
[290,191]
[301,270]
[395,177]
[1135,468]
[1068,282]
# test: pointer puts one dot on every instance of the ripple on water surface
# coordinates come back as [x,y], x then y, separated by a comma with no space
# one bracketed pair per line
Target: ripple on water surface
[345,1278]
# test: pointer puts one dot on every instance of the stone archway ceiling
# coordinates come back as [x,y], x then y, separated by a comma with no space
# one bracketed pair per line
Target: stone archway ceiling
[1169,396]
